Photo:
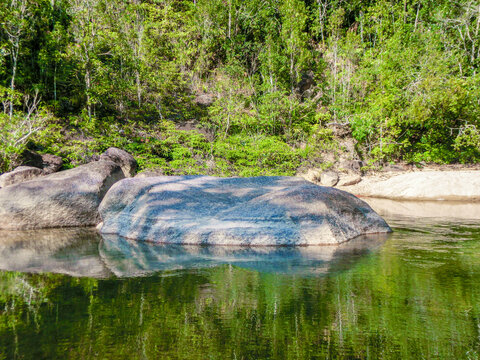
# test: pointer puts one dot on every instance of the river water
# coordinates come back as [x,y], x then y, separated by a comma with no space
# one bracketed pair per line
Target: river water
[71,294]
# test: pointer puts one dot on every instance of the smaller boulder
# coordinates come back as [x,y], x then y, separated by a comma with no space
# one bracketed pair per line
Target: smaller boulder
[349,180]
[51,163]
[423,186]
[307,82]
[19,175]
[64,199]
[205,100]
[340,130]
[122,158]
[312,175]
[48,162]
[329,178]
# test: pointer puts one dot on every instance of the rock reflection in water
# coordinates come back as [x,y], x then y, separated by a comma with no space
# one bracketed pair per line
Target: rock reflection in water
[71,251]
[129,258]
[451,210]
[82,252]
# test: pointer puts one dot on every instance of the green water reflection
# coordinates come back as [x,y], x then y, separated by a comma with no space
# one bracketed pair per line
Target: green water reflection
[415,296]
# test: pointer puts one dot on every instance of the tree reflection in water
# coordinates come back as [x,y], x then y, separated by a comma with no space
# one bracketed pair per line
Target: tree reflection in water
[414,295]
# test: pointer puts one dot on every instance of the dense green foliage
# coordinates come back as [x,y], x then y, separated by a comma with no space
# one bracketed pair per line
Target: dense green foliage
[263,79]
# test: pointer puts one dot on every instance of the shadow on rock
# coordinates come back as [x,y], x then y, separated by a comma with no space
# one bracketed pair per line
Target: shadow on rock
[257,211]
[130,258]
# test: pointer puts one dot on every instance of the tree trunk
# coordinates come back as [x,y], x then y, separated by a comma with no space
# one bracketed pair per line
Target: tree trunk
[14,72]
[55,84]
[416,17]
[229,18]
[139,89]
[87,88]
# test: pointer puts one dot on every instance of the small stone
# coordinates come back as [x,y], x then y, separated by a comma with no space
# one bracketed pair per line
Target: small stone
[312,175]
[126,161]
[329,178]
[205,100]
[349,180]
[394,168]
[352,165]
[51,163]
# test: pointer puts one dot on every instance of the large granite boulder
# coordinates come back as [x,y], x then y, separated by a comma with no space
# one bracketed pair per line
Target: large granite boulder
[235,211]
[66,198]
[19,175]
[126,161]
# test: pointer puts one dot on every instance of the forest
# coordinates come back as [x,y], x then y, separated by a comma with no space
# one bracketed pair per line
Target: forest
[232,87]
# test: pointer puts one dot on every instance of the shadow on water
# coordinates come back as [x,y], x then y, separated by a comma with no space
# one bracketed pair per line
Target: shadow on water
[82,252]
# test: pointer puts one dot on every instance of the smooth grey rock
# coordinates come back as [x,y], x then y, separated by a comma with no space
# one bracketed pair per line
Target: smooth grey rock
[235,211]
[72,251]
[66,198]
[19,175]
[122,158]
[329,178]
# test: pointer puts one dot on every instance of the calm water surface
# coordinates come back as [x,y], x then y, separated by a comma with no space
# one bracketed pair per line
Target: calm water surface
[69,294]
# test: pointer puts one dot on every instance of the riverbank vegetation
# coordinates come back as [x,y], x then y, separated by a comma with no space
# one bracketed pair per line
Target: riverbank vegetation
[240,87]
